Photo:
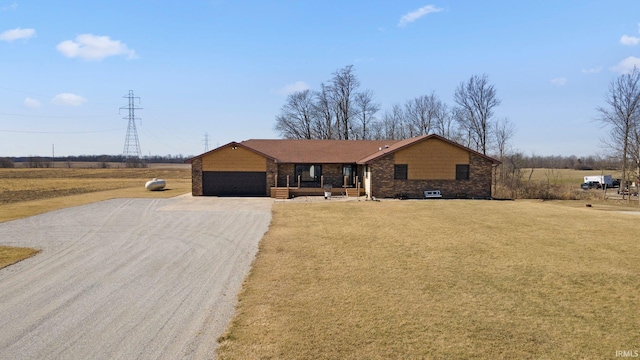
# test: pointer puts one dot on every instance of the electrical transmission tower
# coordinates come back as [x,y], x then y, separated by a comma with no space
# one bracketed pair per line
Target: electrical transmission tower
[131,153]
[206,142]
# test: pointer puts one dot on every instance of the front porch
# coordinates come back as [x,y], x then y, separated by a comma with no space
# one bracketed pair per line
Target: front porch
[320,189]
[294,180]
[287,193]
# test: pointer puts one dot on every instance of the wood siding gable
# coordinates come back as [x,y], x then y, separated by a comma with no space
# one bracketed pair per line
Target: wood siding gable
[232,157]
[431,159]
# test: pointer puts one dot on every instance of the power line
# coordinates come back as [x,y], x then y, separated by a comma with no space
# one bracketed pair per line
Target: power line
[145,131]
[56,117]
[59,132]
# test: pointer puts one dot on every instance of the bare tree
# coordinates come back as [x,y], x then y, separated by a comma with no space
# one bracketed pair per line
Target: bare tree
[622,114]
[343,88]
[504,131]
[476,100]
[377,130]
[296,116]
[324,121]
[421,113]
[393,124]
[445,124]
[366,109]
[465,132]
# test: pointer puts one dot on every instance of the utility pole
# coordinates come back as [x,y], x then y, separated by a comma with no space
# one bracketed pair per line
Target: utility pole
[131,153]
[206,142]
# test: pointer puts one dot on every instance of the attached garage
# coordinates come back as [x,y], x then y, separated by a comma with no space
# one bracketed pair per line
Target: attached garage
[234,183]
[230,170]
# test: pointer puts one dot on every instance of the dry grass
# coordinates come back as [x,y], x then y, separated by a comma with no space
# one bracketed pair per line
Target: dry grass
[27,192]
[11,255]
[440,279]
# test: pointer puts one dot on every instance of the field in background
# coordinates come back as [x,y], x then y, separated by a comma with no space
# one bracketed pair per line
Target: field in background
[558,184]
[94,165]
[26,192]
[440,279]
[565,176]
[21,185]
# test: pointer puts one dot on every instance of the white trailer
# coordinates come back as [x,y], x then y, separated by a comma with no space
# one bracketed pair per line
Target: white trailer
[601,179]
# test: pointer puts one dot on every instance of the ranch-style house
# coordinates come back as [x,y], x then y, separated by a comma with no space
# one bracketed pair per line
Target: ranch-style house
[375,168]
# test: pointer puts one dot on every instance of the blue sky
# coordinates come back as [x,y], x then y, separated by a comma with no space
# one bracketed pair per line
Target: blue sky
[224,67]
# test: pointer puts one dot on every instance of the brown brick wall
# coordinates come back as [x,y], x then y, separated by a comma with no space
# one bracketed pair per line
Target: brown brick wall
[272,170]
[196,177]
[283,171]
[478,186]
[333,175]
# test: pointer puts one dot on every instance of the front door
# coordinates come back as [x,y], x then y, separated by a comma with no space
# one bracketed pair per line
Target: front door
[349,174]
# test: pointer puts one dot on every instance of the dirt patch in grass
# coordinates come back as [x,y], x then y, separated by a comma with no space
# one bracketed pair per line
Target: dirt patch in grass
[439,279]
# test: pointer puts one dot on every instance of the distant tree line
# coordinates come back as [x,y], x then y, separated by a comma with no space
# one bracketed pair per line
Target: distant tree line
[6,163]
[591,162]
[101,160]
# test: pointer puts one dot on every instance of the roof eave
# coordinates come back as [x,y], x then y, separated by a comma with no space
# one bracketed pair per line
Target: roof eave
[373,157]
[233,143]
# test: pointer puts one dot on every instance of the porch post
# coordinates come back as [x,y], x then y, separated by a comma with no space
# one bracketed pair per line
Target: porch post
[344,186]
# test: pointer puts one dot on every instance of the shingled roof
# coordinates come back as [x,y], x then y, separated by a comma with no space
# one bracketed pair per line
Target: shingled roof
[332,151]
[317,151]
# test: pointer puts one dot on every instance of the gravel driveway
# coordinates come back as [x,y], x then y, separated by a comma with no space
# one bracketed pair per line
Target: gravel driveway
[128,278]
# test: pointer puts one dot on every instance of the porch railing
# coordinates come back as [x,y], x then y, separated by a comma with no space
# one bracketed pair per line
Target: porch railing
[288,191]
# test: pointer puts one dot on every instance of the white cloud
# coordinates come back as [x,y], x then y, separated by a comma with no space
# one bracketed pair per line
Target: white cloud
[295,87]
[13,6]
[559,81]
[31,103]
[629,40]
[592,70]
[627,65]
[91,47]
[15,34]
[417,14]
[68,99]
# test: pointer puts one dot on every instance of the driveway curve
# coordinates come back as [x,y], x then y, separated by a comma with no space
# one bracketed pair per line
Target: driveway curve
[128,278]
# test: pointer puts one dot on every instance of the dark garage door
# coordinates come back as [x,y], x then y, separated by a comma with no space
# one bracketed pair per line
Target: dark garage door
[232,183]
